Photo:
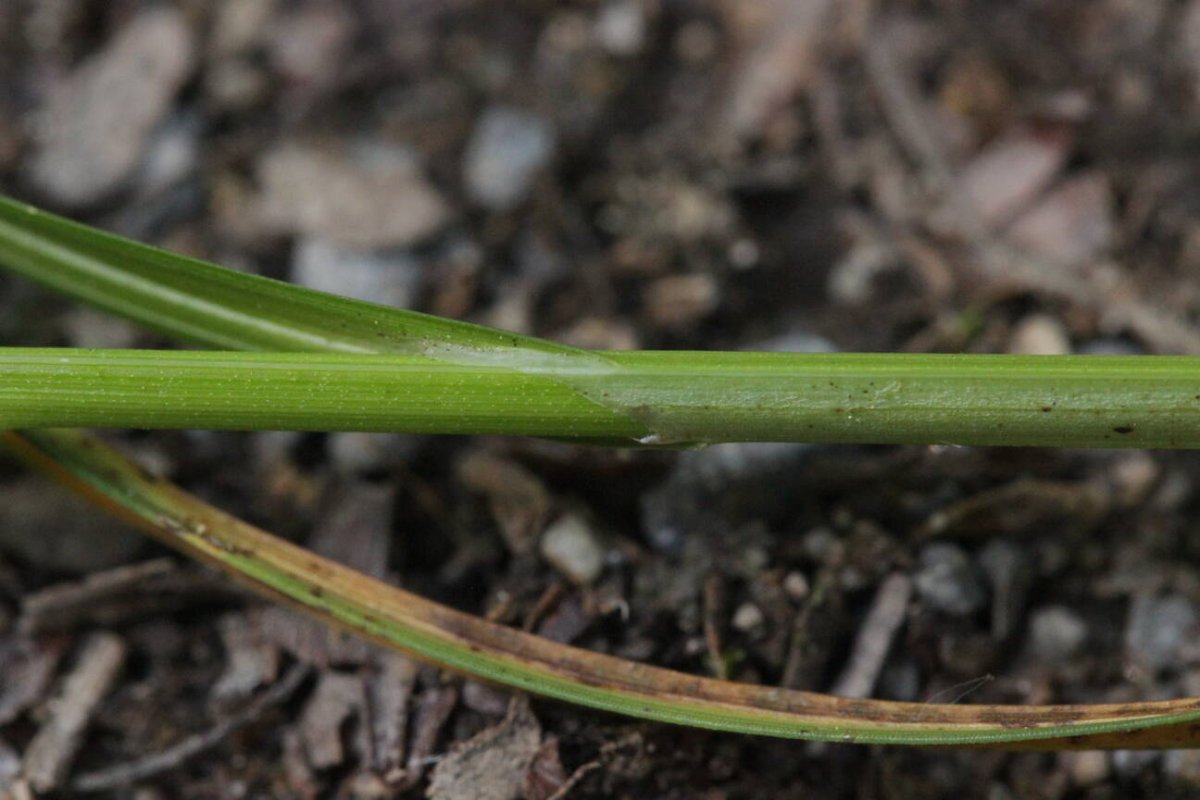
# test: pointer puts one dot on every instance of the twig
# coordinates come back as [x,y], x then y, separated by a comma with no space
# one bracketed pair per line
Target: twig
[50,753]
[714,602]
[140,769]
[108,598]
[810,628]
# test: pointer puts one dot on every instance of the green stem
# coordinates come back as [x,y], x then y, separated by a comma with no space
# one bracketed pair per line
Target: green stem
[638,398]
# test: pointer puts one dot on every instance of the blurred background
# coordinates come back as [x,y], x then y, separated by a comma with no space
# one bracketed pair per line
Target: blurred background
[812,175]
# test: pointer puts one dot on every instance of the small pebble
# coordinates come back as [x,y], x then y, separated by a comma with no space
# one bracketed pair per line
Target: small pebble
[795,341]
[171,155]
[235,85]
[355,453]
[10,764]
[680,300]
[570,546]
[507,149]
[1056,634]
[851,281]
[818,543]
[1133,476]
[1039,335]
[89,328]
[747,618]
[1110,347]
[239,27]
[1086,767]
[796,586]
[900,679]
[1158,628]
[1131,763]
[621,27]
[389,277]
[370,196]
[309,44]
[1183,766]
[948,581]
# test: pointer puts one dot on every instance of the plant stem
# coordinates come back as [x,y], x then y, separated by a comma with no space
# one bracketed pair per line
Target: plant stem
[665,398]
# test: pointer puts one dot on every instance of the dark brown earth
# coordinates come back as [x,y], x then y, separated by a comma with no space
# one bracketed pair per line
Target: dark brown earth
[941,176]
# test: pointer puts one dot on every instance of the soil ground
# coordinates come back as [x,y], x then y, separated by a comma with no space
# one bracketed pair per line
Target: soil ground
[938,176]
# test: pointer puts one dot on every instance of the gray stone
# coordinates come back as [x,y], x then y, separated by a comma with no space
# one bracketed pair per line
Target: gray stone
[93,128]
[389,277]
[1039,334]
[1182,766]
[507,149]
[1158,628]
[360,453]
[1109,347]
[570,546]
[89,328]
[796,341]
[747,618]
[1056,634]
[1130,763]
[171,155]
[948,581]
[370,196]
[621,27]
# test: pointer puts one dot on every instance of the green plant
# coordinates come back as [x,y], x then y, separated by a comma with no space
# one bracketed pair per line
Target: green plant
[328,363]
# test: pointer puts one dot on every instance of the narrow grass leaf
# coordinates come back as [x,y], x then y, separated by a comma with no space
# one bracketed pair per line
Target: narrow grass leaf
[461,642]
[203,304]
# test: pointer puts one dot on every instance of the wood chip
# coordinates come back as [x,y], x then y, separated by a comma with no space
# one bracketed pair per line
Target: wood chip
[53,748]
[779,45]
[491,765]
[338,697]
[485,699]
[1071,224]
[1004,178]
[389,693]
[875,637]
[27,667]
[432,713]
[569,618]
[250,659]
[545,777]
[519,501]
